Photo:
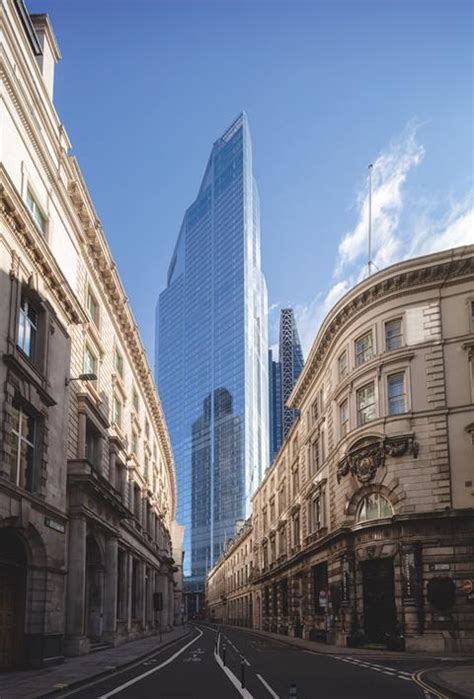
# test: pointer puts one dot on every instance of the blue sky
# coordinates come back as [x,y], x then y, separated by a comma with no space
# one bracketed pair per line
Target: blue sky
[145,87]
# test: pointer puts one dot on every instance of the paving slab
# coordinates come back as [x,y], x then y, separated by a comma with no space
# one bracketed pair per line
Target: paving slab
[457,681]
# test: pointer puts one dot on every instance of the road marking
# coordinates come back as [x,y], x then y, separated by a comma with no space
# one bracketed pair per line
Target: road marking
[384,669]
[243,692]
[430,693]
[154,669]
[267,687]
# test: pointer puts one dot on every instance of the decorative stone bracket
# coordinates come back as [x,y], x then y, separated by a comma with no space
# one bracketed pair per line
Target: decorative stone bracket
[364,461]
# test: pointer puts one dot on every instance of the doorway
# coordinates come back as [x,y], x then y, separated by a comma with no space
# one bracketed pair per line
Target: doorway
[379,599]
[13,564]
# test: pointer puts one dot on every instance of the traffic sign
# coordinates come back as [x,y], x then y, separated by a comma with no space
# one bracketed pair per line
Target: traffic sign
[467,586]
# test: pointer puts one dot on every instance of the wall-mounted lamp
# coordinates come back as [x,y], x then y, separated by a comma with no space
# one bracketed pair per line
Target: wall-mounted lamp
[82,377]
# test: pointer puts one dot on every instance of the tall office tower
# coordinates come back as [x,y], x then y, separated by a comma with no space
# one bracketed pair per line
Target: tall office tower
[211,360]
[291,362]
[275,405]
[283,375]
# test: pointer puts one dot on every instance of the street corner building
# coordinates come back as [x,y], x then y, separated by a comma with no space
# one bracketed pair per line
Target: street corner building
[87,482]
[362,531]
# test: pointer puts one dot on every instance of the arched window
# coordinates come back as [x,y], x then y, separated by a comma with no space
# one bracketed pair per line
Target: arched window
[373,506]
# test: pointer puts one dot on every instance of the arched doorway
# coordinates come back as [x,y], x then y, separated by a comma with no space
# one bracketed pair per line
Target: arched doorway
[13,565]
[94,589]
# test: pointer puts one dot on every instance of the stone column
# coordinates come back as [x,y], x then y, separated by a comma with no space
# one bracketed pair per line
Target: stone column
[81,447]
[76,641]
[131,493]
[170,603]
[110,588]
[143,586]
[113,468]
[164,589]
[129,568]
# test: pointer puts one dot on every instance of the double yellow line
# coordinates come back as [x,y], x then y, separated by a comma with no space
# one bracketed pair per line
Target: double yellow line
[418,678]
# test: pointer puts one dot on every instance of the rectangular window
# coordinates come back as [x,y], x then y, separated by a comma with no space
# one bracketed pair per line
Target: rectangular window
[38,216]
[28,327]
[295,482]
[118,362]
[93,451]
[22,458]
[471,315]
[93,308]
[365,404]
[135,401]
[393,334]
[296,530]
[364,348]
[272,510]
[315,410]
[147,429]
[282,542]
[315,456]
[117,412]
[344,417]
[342,365]
[90,361]
[320,586]
[396,394]
[316,514]
[134,444]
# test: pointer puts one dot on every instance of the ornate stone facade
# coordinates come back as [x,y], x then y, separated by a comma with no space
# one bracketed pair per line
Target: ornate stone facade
[87,481]
[363,526]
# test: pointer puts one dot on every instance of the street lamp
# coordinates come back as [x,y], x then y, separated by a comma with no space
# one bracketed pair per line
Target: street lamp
[82,377]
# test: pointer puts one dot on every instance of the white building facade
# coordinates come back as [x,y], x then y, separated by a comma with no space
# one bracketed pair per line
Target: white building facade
[87,481]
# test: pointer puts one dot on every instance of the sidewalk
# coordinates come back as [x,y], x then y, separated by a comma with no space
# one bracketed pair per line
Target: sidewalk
[458,682]
[29,684]
[327,649]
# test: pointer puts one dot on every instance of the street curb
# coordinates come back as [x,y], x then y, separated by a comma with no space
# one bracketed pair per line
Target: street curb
[286,640]
[439,685]
[105,673]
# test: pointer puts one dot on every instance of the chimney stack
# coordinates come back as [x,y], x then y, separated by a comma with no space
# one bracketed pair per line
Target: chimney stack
[49,47]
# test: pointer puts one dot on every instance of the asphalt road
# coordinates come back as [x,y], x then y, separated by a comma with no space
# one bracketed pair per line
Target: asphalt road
[192,668]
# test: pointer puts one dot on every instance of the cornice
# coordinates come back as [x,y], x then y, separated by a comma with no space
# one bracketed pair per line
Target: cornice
[98,255]
[16,215]
[398,280]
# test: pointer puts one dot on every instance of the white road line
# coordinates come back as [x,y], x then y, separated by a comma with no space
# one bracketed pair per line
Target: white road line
[243,692]
[150,672]
[267,687]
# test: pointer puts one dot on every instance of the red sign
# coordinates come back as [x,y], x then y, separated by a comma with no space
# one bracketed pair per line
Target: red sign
[467,586]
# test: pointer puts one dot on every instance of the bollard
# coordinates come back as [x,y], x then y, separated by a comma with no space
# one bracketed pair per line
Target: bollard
[242,671]
[223,652]
[292,691]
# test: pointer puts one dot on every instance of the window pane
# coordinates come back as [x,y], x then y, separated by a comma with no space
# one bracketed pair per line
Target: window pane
[363,348]
[396,394]
[393,334]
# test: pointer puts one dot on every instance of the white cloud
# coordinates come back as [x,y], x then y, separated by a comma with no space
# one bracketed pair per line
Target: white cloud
[389,174]
[401,228]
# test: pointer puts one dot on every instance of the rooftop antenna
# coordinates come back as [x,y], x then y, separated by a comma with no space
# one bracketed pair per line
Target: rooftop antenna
[370,263]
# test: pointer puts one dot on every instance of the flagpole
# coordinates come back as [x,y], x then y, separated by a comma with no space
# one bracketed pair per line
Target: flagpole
[369,265]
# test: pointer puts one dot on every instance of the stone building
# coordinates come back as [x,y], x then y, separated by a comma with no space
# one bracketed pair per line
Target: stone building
[363,527]
[229,590]
[87,482]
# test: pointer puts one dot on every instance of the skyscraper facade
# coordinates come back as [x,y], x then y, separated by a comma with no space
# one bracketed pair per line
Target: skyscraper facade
[211,360]
[283,375]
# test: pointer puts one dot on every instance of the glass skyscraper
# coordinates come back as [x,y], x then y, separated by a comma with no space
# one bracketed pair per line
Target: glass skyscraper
[211,354]
[283,375]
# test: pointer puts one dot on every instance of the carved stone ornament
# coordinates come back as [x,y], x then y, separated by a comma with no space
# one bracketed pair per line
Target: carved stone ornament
[364,461]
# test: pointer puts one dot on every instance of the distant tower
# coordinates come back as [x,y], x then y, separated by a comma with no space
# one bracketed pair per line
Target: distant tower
[283,375]
[275,405]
